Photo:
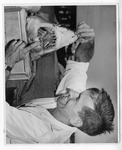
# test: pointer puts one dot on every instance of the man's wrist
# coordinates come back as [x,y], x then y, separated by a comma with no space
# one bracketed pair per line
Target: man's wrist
[8,68]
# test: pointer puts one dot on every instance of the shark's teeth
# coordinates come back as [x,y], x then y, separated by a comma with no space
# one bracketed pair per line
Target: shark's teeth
[46,37]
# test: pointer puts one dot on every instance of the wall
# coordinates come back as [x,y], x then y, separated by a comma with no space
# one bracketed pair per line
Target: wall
[103,68]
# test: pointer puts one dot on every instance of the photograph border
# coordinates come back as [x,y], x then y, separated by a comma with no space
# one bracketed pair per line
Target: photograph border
[119,54]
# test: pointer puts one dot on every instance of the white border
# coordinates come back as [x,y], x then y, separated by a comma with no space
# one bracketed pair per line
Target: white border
[62,146]
[118,65]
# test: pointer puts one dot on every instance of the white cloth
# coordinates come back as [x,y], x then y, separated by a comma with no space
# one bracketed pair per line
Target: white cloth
[34,124]
[75,77]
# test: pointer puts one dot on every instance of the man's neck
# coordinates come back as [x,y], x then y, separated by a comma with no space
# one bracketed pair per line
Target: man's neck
[60,116]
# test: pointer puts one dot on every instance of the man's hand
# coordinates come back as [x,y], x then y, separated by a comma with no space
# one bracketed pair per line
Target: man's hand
[84,33]
[16,50]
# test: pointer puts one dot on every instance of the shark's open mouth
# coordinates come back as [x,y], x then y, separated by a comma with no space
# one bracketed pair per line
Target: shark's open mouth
[50,37]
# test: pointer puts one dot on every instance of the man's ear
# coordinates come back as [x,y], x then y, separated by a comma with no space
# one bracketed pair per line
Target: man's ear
[77,122]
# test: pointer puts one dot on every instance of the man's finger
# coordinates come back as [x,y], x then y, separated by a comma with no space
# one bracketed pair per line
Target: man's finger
[30,47]
[17,45]
[22,45]
[82,35]
[49,51]
[83,25]
[84,30]
[84,40]
[13,43]
[11,49]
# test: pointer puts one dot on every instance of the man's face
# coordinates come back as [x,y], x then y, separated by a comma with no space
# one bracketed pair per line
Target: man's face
[72,107]
[84,99]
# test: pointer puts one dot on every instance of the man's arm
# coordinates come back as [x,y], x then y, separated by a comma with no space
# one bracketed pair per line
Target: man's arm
[74,81]
[83,48]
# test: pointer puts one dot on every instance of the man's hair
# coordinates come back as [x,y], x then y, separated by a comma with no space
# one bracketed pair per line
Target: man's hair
[85,51]
[99,120]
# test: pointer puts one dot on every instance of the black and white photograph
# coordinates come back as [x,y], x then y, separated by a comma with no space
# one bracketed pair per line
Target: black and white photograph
[61,74]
